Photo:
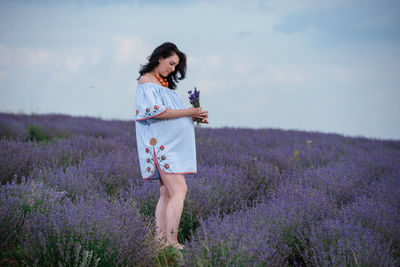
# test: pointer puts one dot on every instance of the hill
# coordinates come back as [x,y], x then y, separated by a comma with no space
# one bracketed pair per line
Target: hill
[71,192]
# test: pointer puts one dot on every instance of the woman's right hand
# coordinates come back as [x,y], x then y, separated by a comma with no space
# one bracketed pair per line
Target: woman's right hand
[198,113]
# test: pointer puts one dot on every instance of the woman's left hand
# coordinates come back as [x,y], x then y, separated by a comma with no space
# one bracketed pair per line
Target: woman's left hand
[203,120]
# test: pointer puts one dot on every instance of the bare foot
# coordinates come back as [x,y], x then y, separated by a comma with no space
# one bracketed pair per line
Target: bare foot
[162,242]
[178,246]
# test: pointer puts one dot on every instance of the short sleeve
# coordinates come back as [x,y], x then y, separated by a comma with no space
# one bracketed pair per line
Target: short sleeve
[149,102]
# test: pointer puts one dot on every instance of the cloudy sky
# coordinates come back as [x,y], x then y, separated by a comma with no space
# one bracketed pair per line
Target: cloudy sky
[315,65]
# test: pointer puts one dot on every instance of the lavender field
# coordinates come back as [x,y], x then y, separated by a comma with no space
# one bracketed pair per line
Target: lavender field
[72,195]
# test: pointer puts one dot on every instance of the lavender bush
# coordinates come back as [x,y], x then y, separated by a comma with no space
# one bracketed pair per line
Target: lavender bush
[266,233]
[51,227]
[71,194]
[345,242]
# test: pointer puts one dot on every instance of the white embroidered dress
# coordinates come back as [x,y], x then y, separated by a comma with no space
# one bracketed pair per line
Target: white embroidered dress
[166,145]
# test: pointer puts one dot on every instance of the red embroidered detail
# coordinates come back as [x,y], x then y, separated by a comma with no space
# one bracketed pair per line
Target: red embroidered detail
[137,112]
[151,112]
[156,158]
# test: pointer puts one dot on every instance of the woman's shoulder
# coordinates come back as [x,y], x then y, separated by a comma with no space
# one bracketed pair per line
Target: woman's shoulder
[145,78]
[147,82]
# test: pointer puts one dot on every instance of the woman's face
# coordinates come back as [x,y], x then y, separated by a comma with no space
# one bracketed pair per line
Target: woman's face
[167,65]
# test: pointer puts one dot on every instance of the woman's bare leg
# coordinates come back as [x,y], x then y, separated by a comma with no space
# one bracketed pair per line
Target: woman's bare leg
[177,189]
[161,213]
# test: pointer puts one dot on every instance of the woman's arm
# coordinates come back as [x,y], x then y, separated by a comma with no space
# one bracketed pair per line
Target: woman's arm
[177,113]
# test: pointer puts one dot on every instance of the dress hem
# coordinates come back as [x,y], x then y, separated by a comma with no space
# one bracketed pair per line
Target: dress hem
[148,178]
[159,169]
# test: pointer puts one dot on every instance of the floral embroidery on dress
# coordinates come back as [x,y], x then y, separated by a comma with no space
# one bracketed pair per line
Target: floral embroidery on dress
[161,159]
[151,112]
[137,112]
[149,161]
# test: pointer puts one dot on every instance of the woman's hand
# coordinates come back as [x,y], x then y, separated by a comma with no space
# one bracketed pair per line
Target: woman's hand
[202,120]
[198,113]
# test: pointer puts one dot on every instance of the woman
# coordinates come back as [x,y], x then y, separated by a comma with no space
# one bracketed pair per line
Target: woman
[165,136]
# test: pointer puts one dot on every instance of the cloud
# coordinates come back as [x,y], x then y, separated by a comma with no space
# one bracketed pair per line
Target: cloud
[35,58]
[206,64]
[367,22]
[24,57]
[243,34]
[75,62]
[241,68]
[280,75]
[3,74]
[217,73]
[131,52]
[204,69]
[340,73]
[17,59]
[209,87]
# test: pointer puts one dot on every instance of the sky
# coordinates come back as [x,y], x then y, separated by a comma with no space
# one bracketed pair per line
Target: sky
[313,65]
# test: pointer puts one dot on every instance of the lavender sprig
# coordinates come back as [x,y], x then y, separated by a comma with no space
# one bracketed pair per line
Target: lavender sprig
[194,98]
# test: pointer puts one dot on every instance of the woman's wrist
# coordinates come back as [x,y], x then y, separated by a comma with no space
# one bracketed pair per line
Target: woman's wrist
[188,112]
[174,113]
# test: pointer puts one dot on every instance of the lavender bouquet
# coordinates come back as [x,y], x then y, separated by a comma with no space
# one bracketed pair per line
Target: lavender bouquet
[195,101]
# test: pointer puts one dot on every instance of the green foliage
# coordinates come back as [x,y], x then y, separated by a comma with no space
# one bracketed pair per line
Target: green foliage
[71,249]
[289,237]
[222,255]
[14,257]
[36,134]
[12,252]
[188,224]
[168,256]
[148,208]
[29,208]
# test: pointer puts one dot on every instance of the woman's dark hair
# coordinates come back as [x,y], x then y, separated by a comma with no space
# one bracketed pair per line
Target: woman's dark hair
[163,51]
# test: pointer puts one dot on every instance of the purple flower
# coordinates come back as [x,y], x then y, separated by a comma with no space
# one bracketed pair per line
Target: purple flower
[195,100]
[251,203]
